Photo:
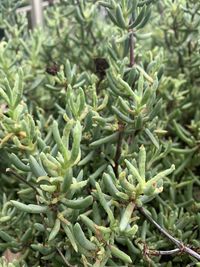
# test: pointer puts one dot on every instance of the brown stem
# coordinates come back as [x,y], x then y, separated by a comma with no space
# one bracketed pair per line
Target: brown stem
[179,244]
[8,170]
[118,150]
[16,175]
[132,56]
[64,259]
[163,252]
[92,36]
[98,85]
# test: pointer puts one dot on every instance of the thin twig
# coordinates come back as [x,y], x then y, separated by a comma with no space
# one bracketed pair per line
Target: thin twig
[163,252]
[132,56]
[92,36]
[33,187]
[64,259]
[118,150]
[20,178]
[179,244]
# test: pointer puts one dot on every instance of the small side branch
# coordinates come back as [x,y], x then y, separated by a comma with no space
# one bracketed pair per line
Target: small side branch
[132,55]
[163,252]
[118,150]
[180,245]
[19,177]
[64,259]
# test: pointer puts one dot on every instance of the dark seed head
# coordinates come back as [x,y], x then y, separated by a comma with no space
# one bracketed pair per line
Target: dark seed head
[53,69]
[101,64]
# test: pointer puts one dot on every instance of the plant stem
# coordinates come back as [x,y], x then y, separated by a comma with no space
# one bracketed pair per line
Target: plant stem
[132,56]
[163,252]
[179,244]
[8,170]
[64,259]
[118,150]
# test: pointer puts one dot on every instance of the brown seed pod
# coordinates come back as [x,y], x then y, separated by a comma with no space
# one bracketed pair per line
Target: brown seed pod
[53,69]
[101,64]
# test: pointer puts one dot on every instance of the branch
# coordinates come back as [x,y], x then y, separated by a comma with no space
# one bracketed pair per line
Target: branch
[180,245]
[163,252]
[132,56]
[64,259]
[92,36]
[9,170]
[118,150]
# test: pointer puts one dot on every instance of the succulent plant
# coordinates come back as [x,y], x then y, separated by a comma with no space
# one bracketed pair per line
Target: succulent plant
[99,135]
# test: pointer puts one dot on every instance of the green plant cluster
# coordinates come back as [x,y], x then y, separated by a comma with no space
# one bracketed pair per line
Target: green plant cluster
[100,134]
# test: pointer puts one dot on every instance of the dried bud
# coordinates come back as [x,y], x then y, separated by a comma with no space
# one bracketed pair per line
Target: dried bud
[101,64]
[53,69]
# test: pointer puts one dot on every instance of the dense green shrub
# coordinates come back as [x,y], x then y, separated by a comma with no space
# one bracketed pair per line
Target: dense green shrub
[100,134]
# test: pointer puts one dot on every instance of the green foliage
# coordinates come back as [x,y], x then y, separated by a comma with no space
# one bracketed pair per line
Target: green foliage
[100,119]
